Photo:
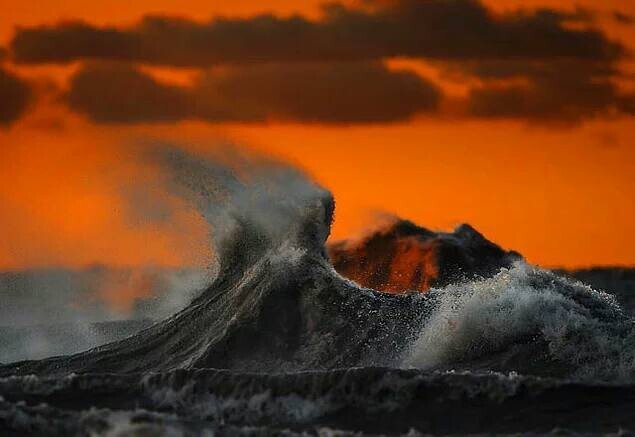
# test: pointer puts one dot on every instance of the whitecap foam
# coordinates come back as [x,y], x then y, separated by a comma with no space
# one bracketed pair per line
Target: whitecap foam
[582,330]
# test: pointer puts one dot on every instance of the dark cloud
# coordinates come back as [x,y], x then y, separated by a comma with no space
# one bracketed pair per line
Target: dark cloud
[15,95]
[623,18]
[554,91]
[531,64]
[433,29]
[323,93]
[123,94]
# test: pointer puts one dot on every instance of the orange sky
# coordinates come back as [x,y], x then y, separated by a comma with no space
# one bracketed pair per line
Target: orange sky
[559,195]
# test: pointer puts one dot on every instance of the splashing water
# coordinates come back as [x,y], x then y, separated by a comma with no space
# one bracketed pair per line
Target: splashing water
[530,318]
[280,340]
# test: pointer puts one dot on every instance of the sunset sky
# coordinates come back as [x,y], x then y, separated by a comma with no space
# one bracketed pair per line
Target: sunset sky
[517,117]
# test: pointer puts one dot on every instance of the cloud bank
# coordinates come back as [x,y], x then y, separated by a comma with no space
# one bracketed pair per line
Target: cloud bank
[537,65]
[329,93]
[450,29]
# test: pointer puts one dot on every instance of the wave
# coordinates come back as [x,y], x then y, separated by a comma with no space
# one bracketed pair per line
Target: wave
[282,343]
[368,400]
[531,321]
[276,302]
[400,256]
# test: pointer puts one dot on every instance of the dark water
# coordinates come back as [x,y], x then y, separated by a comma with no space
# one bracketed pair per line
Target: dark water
[279,343]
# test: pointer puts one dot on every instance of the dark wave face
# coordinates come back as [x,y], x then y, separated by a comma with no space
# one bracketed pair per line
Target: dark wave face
[304,349]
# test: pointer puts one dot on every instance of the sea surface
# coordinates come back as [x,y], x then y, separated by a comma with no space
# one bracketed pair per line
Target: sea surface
[280,344]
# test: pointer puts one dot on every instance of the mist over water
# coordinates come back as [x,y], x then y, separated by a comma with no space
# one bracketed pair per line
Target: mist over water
[47,312]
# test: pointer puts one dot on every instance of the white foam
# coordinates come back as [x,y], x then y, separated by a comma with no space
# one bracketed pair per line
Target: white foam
[584,329]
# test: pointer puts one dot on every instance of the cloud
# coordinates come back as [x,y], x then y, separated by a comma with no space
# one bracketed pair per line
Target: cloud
[623,18]
[124,94]
[322,93]
[562,90]
[432,29]
[529,64]
[15,96]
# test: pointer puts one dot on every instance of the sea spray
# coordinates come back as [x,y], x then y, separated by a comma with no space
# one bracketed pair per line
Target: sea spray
[530,318]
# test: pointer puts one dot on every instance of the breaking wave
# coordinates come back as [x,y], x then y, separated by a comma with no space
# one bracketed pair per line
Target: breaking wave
[302,346]
[527,320]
